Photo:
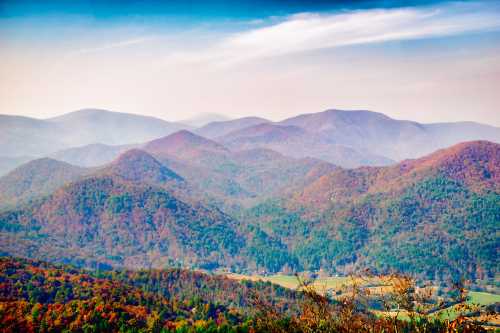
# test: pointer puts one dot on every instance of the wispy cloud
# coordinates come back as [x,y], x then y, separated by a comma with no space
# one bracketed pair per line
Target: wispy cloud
[113,45]
[311,31]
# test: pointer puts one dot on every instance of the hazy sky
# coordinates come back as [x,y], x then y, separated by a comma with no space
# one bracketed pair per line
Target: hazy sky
[428,61]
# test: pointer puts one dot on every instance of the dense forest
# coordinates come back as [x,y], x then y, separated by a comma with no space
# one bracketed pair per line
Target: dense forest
[40,297]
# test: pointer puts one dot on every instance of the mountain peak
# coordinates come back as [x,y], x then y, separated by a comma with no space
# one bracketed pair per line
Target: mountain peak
[137,165]
[470,162]
[182,141]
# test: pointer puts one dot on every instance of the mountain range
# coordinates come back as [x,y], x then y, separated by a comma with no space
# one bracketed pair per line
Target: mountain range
[93,137]
[335,191]
[183,199]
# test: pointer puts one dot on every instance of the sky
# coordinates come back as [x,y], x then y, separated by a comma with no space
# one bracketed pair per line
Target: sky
[429,61]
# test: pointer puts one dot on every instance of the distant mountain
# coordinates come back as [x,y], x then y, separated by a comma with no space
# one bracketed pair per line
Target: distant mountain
[92,155]
[22,136]
[231,176]
[8,164]
[203,119]
[184,144]
[113,128]
[297,142]
[221,128]
[378,134]
[136,165]
[35,178]
[436,216]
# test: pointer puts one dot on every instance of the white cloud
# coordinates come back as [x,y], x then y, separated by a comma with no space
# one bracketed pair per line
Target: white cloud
[113,45]
[308,31]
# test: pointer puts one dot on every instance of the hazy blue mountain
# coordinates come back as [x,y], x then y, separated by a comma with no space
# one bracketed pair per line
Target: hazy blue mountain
[24,136]
[203,119]
[7,163]
[381,135]
[220,128]
[113,128]
[297,142]
[91,155]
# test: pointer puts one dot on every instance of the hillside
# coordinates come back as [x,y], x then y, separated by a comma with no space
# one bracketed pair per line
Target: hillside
[7,164]
[36,178]
[136,165]
[56,297]
[435,216]
[232,176]
[113,220]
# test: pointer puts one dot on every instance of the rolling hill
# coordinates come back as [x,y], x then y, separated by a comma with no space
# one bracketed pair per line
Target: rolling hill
[58,297]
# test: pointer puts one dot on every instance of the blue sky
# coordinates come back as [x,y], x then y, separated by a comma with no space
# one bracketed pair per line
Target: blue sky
[423,60]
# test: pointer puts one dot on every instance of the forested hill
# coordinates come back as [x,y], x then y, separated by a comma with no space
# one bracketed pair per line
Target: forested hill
[37,296]
[436,217]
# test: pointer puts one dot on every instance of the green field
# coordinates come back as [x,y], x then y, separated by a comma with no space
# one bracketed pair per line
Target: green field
[483,298]
[291,281]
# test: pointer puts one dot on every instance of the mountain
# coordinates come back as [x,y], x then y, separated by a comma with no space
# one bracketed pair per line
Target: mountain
[435,217]
[113,128]
[92,155]
[21,136]
[221,128]
[231,176]
[347,138]
[297,142]
[183,145]
[136,165]
[24,136]
[384,136]
[8,164]
[472,164]
[204,118]
[36,178]
[122,215]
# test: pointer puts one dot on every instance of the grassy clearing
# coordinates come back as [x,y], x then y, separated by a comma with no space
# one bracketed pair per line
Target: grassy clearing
[291,282]
[483,298]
